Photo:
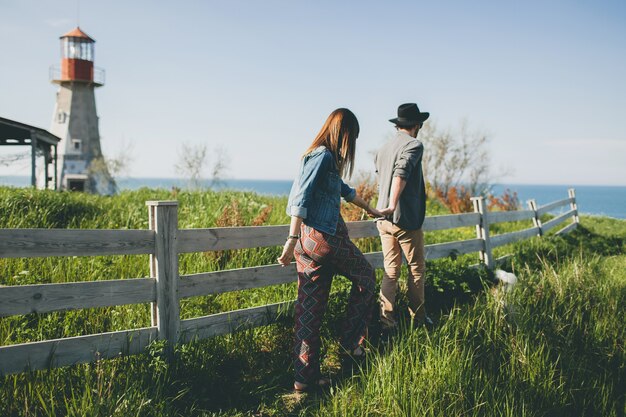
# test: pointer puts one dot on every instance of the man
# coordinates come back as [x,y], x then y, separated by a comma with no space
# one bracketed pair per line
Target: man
[402,200]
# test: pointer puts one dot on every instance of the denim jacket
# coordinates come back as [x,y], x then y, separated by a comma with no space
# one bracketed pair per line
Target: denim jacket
[316,193]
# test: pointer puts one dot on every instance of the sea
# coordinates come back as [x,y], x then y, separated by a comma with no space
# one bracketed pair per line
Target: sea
[599,200]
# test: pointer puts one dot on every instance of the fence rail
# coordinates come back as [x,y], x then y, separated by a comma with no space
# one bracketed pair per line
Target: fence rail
[166,287]
[510,216]
[72,350]
[34,243]
[44,298]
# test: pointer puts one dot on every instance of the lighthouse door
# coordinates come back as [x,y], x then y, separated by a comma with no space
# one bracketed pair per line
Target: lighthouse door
[76,185]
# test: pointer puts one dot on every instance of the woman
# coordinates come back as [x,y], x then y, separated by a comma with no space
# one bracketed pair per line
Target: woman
[319,239]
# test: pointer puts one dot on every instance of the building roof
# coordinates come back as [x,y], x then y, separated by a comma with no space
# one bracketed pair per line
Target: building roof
[77,33]
[16,133]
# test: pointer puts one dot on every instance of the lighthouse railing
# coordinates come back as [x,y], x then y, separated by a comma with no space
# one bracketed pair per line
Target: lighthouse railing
[99,75]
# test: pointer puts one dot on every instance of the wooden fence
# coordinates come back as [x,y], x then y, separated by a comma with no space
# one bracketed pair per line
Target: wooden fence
[164,241]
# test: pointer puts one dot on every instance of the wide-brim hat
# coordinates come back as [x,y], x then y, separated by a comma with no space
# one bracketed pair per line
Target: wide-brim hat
[409,115]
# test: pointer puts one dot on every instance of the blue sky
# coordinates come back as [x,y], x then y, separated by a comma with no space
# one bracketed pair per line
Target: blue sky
[545,79]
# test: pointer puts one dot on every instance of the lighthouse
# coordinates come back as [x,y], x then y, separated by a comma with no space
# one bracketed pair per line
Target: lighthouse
[81,166]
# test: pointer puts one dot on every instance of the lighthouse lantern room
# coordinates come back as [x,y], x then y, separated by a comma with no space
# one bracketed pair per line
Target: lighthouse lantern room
[77,56]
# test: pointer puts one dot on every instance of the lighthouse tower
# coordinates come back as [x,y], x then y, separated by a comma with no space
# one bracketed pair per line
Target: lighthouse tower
[81,166]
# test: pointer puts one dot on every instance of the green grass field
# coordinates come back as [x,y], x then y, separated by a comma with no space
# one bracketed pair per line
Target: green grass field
[554,346]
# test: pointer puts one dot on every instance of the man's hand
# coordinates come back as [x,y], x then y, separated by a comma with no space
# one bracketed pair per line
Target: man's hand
[397,186]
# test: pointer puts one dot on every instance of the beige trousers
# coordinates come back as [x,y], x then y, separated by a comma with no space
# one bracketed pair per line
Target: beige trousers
[395,242]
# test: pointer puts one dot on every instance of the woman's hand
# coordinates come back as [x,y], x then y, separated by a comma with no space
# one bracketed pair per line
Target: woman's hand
[285,258]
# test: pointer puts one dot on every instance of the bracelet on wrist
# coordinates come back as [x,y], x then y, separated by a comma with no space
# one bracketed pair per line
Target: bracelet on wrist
[293,237]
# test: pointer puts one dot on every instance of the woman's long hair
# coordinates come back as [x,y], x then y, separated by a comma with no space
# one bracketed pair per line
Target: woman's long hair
[339,135]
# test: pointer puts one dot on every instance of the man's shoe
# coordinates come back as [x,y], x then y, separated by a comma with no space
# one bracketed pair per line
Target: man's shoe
[353,362]
[387,334]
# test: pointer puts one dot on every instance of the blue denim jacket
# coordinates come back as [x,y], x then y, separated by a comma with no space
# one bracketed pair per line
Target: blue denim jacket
[316,193]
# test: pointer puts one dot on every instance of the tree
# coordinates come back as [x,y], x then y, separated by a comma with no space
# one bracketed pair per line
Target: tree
[191,162]
[105,169]
[456,159]
[101,181]
[220,166]
[457,166]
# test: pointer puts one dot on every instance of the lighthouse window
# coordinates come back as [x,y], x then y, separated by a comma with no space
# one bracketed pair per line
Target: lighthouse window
[84,51]
[75,48]
[61,116]
[72,50]
[76,144]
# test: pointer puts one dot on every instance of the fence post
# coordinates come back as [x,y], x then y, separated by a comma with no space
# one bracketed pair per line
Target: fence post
[482,231]
[572,194]
[163,217]
[532,204]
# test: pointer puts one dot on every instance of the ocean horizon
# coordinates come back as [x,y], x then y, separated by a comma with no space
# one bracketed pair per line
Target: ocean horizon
[600,200]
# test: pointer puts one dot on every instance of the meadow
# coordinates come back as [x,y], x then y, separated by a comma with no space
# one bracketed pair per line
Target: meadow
[553,346]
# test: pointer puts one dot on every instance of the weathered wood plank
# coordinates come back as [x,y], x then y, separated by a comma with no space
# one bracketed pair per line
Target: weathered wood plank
[450,221]
[245,278]
[502,259]
[442,250]
[72,350]
[572,196]
[235,280]
[510,216]
[551,206]
[29,243]
[506,238]
[557,220]
[482,231]
[362,228]
[43,298]
[163,219]
[434,251]
[223,238]
[567,229]
[536,220]
[496,262]
[367,228]
[232,321]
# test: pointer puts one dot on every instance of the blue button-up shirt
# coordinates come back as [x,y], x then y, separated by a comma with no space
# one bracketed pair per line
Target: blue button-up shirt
[316,193]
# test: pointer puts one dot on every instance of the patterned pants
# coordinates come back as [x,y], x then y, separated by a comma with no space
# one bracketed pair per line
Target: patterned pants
[319,256]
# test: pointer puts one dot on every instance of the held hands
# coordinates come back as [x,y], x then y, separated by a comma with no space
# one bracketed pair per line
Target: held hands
[372,212]
[375,213]
[387,211]
[285,258]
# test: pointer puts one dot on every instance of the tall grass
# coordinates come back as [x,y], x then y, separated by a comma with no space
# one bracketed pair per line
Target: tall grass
[553,347]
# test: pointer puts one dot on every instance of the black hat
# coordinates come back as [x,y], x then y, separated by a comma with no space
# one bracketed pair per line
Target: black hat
[409,115]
